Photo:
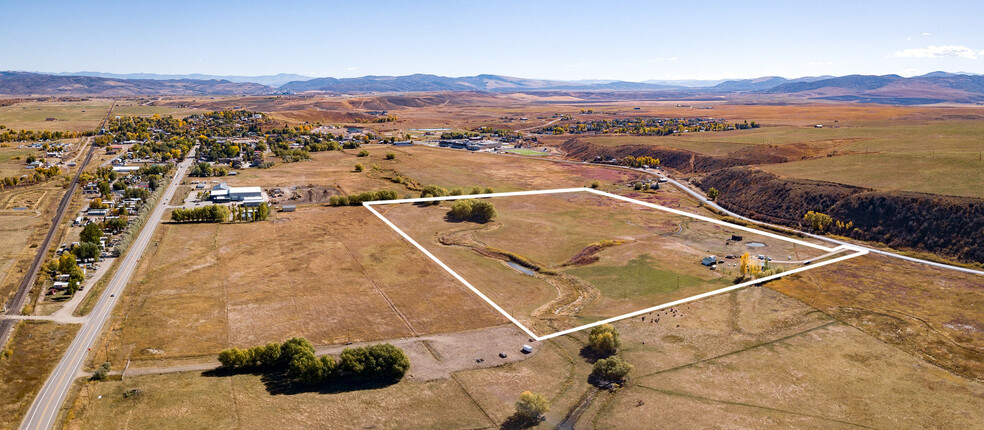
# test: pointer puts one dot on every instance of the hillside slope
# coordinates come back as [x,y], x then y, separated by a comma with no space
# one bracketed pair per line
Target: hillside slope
[23,83]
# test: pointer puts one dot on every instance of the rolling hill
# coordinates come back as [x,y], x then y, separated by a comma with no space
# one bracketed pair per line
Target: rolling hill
[23,83]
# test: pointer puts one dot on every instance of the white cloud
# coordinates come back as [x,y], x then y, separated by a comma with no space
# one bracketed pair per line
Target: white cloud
[933,51]
[820,63]
[576,65]
[351,68]
[925,34]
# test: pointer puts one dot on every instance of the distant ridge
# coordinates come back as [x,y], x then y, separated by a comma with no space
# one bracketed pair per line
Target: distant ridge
[23,83]
[934,87]
[268,80]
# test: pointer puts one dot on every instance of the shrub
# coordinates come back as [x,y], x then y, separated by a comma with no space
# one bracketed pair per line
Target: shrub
[595,184]
[390,156]
[101,372]
[359,168]
[531,406]
[363,153]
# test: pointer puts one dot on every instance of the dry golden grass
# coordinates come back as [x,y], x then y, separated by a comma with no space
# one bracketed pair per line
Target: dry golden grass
[329,274]
[21,231]
[69,116]
[36,347]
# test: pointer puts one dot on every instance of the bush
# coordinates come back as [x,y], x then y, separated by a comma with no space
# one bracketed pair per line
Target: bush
[390,156]
[359,168]
[595,184]
[363,153]
[611,370]
[531,406]
[604,340]
[101,372]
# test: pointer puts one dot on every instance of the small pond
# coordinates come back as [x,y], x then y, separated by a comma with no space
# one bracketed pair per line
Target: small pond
[525,270]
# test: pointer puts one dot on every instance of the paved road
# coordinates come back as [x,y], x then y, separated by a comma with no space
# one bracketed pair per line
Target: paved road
[700,196]
[44,410]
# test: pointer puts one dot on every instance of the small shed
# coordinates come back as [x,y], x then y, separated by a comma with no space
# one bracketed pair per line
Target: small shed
[527,349]
[288,208]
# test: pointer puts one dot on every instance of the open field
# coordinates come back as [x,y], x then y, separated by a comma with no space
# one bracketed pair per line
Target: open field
[784,363]
[931,313]
[69,116]
[651,257]
[937,156]
[21,230]
[330,274]
[427,166]
[36,348]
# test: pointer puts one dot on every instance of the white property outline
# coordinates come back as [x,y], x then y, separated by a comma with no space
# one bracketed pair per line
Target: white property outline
[858,251]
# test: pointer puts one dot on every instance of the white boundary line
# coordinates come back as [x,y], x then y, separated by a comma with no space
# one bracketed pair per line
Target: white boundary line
[369,205]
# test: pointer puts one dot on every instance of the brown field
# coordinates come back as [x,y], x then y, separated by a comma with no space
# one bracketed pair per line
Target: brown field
[69,116]
[753,357]
[36,347]
[23,229]
[870,342]
[330,274]
[658,262]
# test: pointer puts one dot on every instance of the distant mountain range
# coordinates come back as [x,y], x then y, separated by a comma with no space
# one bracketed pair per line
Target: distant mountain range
[935,87]
[268,80]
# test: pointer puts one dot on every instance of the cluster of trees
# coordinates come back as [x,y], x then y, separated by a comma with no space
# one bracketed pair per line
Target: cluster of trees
[644,160]
[211,213]
[292,155]
[68,265]
[357,199]
[604,341]
[41,174]
[204,170]
[500,132]
[531,406]
[480,211]
[378,120]
[296,356]
[436,191]
[246,214]
[7,135]
[822,223]
[648,126]
[458,135]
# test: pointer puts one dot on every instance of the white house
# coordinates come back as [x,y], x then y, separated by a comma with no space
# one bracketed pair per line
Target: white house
[247,196]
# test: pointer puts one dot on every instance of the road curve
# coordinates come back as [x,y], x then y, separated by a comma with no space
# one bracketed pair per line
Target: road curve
[44,410]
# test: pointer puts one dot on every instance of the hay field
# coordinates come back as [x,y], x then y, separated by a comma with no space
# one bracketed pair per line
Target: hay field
[69,116]
[332,275]
[657,262]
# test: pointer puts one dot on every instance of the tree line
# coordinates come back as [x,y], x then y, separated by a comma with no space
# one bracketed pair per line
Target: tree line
[480,211]
[296,357]
[367,196]
[211,213]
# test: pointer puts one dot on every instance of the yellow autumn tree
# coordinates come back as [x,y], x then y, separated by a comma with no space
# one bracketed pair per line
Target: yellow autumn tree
[748,267]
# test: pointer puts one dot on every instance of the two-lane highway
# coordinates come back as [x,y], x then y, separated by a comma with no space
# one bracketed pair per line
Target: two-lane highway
[44,410]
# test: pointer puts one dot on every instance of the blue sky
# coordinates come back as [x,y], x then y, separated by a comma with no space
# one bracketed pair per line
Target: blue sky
[629,40]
